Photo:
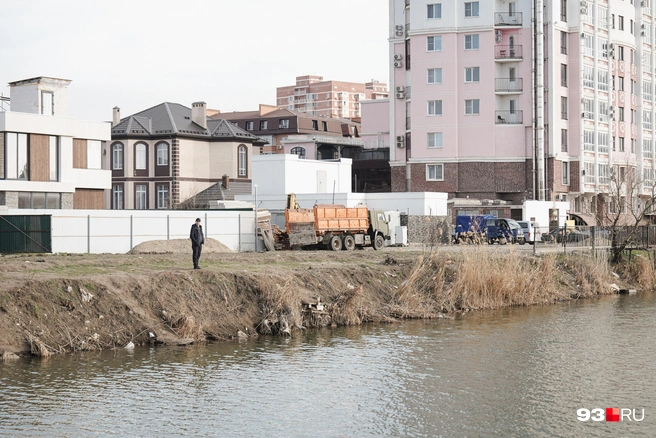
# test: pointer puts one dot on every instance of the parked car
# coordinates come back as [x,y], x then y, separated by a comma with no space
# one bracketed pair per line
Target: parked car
[529,228]
[505,231]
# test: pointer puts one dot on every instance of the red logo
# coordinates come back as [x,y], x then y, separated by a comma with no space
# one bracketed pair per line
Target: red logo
[612,414]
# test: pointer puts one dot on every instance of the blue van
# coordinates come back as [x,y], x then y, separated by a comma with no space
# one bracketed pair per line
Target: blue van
[486,228]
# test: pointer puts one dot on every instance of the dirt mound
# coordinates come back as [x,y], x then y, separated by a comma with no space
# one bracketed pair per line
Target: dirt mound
[177,246]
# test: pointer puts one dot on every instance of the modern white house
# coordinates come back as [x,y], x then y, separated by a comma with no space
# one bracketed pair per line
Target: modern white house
[47,159]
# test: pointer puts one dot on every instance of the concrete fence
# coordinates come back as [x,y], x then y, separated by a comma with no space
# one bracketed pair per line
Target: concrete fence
[118,231]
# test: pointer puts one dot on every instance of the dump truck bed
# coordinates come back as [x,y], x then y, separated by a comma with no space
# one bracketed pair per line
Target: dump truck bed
[340,218]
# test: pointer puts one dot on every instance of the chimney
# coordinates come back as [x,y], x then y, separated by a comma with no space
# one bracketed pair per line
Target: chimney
[116,119]
[198,114]
[226,181]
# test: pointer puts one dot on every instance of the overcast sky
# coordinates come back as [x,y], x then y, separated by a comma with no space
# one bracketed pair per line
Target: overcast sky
[231,54]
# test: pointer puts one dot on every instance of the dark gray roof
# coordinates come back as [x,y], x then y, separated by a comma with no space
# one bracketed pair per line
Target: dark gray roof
[218,192]
[174,119]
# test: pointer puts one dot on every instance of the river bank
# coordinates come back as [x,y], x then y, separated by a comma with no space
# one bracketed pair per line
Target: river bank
[52,304]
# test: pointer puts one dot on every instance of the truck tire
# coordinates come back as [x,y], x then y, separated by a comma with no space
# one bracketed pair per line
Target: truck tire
[379,242]
[348,242]
[335,243]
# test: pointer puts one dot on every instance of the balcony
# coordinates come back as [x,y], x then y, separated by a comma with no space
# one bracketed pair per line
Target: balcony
[507,19]
[508,53]
[507,117]
[508,85]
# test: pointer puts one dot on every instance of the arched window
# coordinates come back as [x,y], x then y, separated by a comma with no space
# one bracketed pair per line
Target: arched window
[141,159]
[298,150]
[117,156]
[242,158]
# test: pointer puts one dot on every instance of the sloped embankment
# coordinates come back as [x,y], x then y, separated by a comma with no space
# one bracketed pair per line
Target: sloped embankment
[63,313]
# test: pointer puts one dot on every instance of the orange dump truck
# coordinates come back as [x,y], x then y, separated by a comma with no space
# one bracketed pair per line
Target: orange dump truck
[336,227]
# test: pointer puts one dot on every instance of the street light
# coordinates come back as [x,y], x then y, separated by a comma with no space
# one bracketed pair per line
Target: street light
[255,186]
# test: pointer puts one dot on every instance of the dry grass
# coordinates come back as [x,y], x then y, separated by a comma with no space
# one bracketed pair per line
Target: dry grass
[640,270]
[478,279]
[37,347]
[185,326]
[280,307]
[348,308]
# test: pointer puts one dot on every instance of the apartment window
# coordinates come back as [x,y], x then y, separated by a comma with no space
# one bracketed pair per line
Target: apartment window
[646,119]
[563,140]
[588,76]
[162,154]
[602,17]
[620,112]
[117,156]
[140,156]
[603,112]
[94,154]
[249,126]
[140,196]
[588,48]
[604,174]
[53,153]
[565,172]
[621,144]
[283,124]
[117,197]
[434,107]
[563,10]
[162,196]
[588,140]
[647,91]
[434,139]
[620,53]
[587,105]
[602,142]
[563,42]
[620,22]
[242,157]
[634,143]
[589,169]
[434,43]
[315,125]
[324,126]
[47,103]
[602,47]
[647,36]
[632,27]
[434,172]
[620,83]
[472,74]
[563,75]
[298,150]
[471,42]
[646,148]
[434,10]
[471,9]
[602,80]
[263,125]
[563,108]
[434,75]
[472,106]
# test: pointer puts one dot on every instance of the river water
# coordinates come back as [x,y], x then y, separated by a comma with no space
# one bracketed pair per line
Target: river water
[512,372]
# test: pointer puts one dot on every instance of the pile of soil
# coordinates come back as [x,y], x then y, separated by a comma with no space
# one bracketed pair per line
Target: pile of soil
[177,246]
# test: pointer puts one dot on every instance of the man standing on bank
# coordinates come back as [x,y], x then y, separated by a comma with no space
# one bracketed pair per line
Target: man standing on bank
[197,240]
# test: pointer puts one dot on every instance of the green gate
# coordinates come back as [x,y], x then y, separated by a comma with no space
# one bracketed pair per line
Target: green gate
[25,234]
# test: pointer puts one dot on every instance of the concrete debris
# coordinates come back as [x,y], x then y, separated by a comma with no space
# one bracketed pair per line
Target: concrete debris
[69,289]
[86,296]
[130,346]
[615,288]
[8,355]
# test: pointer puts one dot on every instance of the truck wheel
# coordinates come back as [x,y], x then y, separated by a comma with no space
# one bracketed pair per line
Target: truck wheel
[335,243]
[348,242]
[379,242]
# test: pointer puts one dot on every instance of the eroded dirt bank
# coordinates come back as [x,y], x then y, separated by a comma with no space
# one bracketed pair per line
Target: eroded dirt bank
[53,304]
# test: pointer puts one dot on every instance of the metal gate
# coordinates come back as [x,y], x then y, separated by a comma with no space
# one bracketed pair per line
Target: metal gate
[22,233]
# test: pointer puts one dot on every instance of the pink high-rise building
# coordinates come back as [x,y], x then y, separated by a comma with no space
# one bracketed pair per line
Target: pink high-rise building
[319,97]
[525,99]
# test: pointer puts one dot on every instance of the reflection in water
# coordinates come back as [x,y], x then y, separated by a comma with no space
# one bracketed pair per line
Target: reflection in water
[512,372]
